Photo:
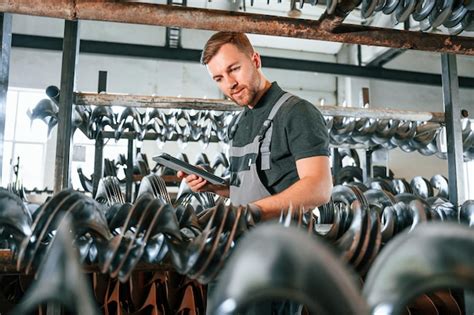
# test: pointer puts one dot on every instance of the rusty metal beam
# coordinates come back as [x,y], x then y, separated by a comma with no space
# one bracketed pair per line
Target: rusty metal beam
[64,9]
[225,105]
[109,99]
[217,20]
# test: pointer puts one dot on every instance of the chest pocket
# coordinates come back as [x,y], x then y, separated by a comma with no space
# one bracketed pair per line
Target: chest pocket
[239,164]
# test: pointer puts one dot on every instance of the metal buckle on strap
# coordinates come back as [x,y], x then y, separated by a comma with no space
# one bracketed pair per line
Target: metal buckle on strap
[266,124]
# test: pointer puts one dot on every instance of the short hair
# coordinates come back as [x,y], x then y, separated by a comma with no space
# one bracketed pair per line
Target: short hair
[239,40]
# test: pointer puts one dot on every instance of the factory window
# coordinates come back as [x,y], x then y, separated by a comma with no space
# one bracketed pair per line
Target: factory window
[24,140]
[28,142]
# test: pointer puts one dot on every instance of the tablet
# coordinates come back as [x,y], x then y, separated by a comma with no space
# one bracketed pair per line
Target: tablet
[178,165]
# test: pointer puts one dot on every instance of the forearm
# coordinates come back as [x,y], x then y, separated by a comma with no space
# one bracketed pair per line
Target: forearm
[308,192]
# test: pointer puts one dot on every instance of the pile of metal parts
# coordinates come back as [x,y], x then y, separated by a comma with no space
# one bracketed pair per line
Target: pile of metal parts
[436,187]
[415,266]
[362,220]
[163,125]
[455,16]
[183,126]
[427,138]
[195,241]
[60,283]
[117,237]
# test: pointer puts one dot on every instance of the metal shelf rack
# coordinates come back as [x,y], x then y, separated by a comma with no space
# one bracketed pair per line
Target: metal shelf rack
[329,27]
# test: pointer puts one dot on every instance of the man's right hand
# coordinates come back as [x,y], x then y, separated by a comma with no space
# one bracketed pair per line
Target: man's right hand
[199,184]
[196,183]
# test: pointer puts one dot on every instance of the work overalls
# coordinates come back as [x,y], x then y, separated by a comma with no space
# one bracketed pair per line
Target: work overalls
[246,187]
[245,184]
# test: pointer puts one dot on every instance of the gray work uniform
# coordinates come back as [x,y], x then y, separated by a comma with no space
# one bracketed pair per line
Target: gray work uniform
[246,187]
[299,132]
[245,184]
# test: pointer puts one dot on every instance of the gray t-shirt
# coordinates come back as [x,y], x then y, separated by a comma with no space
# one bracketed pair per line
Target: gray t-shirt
[299,131]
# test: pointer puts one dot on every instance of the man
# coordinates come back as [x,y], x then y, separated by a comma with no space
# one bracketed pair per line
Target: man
[274,165]
[279,143]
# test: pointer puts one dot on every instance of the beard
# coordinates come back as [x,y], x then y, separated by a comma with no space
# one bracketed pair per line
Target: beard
[247,93]
[245,97]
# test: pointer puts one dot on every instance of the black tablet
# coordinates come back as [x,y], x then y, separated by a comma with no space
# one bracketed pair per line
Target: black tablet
[178,165]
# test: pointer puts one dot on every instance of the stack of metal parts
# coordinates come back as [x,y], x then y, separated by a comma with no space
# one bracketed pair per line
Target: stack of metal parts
[361,222]
[183,126]
[415,266]
[60,279]
[15,220]
[436,187]
[60,283]
[455,16]
[428,138]
[118,236]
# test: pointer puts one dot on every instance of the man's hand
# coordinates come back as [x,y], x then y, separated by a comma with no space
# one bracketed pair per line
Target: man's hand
[199,184]
[196,183]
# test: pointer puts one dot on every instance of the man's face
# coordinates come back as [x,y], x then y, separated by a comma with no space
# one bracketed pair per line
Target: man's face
[236,74]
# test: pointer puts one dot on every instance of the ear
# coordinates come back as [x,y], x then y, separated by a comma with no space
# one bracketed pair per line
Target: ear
[257,60]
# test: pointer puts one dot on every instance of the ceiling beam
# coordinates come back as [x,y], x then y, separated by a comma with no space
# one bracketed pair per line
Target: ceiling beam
[385,57]
[218,20]
[193,55]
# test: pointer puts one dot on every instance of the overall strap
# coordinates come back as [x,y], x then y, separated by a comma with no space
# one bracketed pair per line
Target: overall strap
[265,133]
[233,127]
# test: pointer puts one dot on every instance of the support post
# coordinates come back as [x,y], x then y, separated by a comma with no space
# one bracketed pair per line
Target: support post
[128,190]
[453,129]
[6,39]
[99,141]
[62,171]
[455,147]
